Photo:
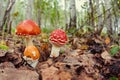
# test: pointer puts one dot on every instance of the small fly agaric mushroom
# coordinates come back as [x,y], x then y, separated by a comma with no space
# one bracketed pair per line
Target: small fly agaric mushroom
[29,29]
[57,38]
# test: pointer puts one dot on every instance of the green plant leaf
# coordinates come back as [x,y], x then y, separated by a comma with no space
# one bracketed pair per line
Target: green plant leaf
[114,50]
[113,78]
[47,29]
[4,47]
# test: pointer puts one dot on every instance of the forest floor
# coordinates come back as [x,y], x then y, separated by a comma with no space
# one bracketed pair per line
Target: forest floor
[80,59]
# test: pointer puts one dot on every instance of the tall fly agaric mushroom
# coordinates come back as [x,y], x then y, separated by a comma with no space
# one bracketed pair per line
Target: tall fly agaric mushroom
[29,29]
[57,38]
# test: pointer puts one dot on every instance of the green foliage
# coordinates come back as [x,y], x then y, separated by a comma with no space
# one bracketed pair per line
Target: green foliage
[4,47]
[71,31]
[114,50]
[47,29]
[15,14]
[113,78]
[13,30]
[50,12]
[19,11]
[62,51]
[87,28]
[104,32]
[104,11]
[118,3]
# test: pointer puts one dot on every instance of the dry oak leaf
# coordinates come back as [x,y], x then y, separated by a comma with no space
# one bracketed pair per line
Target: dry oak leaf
[105,55]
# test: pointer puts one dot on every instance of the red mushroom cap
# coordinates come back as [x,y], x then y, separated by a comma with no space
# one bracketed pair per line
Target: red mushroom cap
[27,27]
[58,37]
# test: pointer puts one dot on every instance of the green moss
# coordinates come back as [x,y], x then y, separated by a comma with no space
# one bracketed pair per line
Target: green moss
[4,47]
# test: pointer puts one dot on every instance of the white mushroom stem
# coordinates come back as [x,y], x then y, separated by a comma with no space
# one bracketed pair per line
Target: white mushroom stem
[28,41]
[55,51]
[34,64]
[30,61]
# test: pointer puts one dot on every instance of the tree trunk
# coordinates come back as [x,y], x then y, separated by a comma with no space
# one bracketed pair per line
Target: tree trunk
[115,9]
[7,14]
[37,10]
[29,9]
[39,17]
[10,27]
[1,11]
[100,20]
[108,17]
[91,13]
[66,16]
[72,23]
[7,24]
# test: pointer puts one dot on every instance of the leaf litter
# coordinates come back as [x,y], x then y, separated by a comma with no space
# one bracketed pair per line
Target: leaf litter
[80,59]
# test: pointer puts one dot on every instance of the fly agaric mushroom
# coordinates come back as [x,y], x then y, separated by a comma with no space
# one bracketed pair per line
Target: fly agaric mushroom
[57,38]
[28,29]
[31,55]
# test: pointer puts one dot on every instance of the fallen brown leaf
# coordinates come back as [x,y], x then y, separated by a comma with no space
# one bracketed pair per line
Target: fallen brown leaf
[105,55]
